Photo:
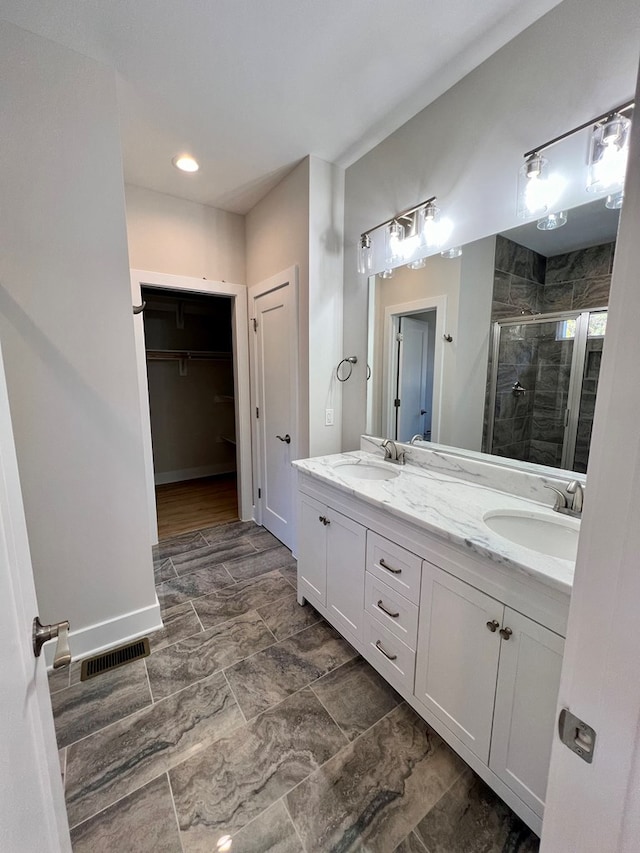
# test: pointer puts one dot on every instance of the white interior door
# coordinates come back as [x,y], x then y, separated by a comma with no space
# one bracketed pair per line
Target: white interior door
[32,810]
[275,367]
[413,365]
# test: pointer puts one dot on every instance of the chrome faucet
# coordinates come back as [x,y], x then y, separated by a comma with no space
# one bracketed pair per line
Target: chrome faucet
[391,452]
[562,504]
[417,437]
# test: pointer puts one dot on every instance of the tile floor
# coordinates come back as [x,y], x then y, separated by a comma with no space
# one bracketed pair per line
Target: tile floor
[254,727]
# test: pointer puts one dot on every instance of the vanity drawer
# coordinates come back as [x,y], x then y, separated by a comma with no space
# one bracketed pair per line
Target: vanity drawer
[392,609]
[389,655]
[393,565]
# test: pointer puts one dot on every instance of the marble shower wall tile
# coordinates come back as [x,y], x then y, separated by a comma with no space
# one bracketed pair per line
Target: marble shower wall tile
[356,696]
[592,293]
[287,617]
[115,761]
[470,818]
[178,545]
[270,676]
[143,822]
[184,588]
[179,622]
[370,795]
[258,564]
[270,832]
[581,264]
[190,660]
[90,705]
[212,555]
[241,597]
[225,787]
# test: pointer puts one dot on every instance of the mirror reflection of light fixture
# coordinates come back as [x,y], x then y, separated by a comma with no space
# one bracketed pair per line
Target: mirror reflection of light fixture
[608,154]
[538,187]
[365,255]
[614,200]
[453,252]
[552,221]
[394,237]
[388,273]
[419,264]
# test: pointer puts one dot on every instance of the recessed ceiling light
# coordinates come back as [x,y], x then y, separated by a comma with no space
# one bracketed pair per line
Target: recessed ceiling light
[185,163]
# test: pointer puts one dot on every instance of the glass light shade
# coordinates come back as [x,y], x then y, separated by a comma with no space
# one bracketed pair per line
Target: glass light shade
[365,254]
[538,187]
[185,162]
[453,252]
[386,273]
[418,264]
[552,221]
[608,154]
[394,237]
[614,201]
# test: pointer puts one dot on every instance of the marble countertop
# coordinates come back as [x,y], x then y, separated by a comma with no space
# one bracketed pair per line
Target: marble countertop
[448,507]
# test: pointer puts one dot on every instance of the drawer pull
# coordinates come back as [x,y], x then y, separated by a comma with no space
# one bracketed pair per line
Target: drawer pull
[390,568]
[388,612]
[380,648]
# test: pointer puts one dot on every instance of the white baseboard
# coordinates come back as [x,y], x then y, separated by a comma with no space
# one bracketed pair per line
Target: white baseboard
[193,473]
[97,638]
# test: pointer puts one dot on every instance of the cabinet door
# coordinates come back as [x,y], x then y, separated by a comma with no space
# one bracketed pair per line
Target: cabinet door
[525,713]
[457,656]
[346,549]
[312,550]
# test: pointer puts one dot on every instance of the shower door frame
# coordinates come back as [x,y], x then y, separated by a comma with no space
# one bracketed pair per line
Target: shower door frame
[578,356]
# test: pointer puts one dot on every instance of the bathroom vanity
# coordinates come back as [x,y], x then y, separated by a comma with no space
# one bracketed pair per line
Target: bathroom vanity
[436,572]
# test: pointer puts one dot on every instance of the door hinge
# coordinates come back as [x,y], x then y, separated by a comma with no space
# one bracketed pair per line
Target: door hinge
[257,412]
[255,325]
[259,493]
[396,403]
[399,337]
[577,735]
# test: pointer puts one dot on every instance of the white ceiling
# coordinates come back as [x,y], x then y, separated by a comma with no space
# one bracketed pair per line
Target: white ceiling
[250,87]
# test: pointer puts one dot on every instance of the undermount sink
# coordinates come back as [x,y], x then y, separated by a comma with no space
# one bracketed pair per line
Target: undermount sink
[557,537]
[366,471]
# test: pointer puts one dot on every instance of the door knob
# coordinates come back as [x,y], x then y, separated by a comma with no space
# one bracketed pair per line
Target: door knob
[286,438]
[43,633]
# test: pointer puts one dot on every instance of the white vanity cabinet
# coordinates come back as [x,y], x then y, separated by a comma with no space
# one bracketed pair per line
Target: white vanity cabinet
[331,564]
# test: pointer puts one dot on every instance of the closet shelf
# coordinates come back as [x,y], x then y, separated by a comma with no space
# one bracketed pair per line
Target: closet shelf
[228,439]
[180,355]
[223,398]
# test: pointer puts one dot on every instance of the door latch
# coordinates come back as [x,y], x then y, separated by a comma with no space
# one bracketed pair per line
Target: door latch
[577,735]
[44,633]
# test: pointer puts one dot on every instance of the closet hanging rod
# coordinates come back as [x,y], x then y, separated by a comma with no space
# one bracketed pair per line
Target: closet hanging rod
[192,355]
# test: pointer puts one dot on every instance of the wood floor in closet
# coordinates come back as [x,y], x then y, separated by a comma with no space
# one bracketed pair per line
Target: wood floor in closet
[194,504]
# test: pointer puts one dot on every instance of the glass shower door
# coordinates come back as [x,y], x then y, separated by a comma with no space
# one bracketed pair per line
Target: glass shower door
[596,324]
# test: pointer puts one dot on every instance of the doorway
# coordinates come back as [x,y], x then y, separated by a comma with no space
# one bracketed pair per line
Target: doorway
[412,404]
[190,377]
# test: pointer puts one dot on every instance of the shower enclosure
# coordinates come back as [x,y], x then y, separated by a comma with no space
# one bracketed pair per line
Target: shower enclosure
[544,374]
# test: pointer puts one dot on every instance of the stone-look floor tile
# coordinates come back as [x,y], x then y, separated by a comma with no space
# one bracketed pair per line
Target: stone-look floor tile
[212,555]
[286,617]
[58,679]
[240,598]
[190,660]
[62,757]
[179,623]
[411,844]
[178,545]
[258,564]
[370,795]
[163,571]
[90,705]
[269,676]
[356,696]
[193,585]
[229,531]
[224,787]
[143,822]
[290,573]
[121,758]
[470,818]
[262,540]
[270,832]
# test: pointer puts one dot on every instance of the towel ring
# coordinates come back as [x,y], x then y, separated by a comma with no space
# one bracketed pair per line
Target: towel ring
[350,360]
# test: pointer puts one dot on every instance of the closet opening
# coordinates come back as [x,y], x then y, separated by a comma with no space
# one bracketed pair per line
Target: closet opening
[191,381]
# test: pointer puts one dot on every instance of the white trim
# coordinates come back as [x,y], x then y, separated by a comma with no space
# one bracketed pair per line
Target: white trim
[391,314]
[241,379]
[289,277]
[112,632]
[181,474]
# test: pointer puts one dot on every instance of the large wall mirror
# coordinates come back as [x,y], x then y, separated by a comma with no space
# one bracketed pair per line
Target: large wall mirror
[497,349]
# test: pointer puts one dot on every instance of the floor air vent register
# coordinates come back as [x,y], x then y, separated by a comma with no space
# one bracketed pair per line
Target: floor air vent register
[114,658]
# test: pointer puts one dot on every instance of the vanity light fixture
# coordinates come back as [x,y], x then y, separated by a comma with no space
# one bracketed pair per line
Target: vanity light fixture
[185,162]
[539,188]
[418,264]
[453,252]
[388,273]
[394,238]
[365,256]
[552,221]
[404,235]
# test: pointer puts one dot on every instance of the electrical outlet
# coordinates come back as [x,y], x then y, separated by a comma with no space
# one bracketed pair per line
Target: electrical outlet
[328,417]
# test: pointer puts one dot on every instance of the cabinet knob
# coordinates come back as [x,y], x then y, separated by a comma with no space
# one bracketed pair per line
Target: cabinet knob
[505,633]
[493,626]
[322,518]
